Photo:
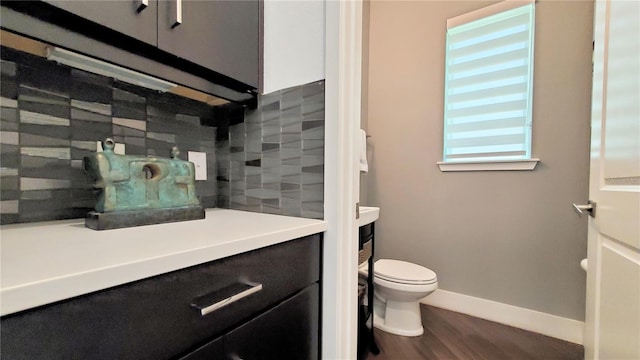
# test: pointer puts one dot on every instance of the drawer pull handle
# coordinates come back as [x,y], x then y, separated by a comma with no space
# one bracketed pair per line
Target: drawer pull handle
[142,4]
[177,19]
[211,302]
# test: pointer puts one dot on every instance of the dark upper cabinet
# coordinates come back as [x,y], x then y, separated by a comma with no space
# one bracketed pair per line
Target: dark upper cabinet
[235,46]
[130,18]
[223,36]
[219,35]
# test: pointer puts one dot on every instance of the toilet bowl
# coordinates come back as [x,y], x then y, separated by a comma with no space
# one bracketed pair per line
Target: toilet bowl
[398,288]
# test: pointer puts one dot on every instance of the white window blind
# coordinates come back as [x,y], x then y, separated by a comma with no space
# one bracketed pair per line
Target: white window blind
[488,84]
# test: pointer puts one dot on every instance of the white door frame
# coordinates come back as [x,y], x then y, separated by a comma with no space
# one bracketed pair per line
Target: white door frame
[343,59]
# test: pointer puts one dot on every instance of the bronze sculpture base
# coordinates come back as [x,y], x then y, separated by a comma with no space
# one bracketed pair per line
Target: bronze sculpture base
[122,219]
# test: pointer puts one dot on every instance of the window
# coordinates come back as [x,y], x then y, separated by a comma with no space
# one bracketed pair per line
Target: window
[488,89]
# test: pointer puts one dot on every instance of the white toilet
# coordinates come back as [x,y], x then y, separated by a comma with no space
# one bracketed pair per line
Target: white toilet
[399,286]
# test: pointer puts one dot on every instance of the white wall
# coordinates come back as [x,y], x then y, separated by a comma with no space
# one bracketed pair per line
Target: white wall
[293,45]
[510,237]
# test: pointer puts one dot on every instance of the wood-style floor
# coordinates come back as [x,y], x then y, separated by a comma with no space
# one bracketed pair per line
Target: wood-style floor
[454,336]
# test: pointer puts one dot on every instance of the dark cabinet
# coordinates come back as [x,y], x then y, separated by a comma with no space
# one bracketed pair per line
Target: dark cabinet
[366,341]
[211,351]
[221,35]
[157,318]
[284,332]
[281,333]
[130,18]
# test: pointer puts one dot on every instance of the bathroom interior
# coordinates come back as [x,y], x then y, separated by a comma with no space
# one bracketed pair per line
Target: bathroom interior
[494,238]
[504,246]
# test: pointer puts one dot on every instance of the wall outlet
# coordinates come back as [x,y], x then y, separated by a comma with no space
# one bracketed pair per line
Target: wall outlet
[199,159]
[118,149]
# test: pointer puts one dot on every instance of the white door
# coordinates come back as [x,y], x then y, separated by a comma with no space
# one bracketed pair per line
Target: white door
[612,323]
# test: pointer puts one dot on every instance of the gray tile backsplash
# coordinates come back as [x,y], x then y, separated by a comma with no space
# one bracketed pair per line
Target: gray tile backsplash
[267,164]
[266,160]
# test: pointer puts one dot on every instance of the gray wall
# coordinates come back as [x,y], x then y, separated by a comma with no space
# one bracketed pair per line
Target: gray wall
[510,237]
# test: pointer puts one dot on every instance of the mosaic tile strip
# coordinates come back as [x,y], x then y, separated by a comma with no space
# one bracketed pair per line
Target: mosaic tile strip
[29,117]
[10,103]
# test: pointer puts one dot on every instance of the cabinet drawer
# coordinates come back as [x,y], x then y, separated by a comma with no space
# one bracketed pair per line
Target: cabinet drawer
[286,332]
[153,318]
[211,351]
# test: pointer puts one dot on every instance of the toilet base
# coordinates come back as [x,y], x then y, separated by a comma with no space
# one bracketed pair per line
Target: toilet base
[378,323]
[397,317]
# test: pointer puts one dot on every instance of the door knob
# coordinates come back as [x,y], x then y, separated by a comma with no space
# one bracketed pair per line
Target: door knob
[590,208]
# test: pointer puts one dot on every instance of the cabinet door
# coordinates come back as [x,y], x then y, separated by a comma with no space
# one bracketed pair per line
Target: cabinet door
[211,351]
[128,17]
[288,331]
[219,35]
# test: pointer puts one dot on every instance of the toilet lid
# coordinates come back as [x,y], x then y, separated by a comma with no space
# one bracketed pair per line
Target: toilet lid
[403,272]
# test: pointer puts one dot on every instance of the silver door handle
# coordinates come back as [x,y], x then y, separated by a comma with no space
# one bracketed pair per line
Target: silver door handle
[177,20]
[590,208]
[142,4]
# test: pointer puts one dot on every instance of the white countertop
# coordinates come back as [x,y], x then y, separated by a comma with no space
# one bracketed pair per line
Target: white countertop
[50,261]
[368,214]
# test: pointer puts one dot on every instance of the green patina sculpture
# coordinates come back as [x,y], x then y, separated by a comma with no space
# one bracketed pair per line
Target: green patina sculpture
[126,182]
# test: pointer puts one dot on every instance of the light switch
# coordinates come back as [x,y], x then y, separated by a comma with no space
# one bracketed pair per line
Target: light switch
[199,159]
[118,149]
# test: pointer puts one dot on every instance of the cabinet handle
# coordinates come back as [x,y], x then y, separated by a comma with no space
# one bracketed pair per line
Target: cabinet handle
[142,4]
[177,20]
[213,301]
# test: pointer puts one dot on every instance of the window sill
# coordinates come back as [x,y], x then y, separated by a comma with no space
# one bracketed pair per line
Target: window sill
[508,165]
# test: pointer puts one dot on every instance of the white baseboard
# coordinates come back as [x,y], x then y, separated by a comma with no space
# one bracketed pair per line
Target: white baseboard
[531,320]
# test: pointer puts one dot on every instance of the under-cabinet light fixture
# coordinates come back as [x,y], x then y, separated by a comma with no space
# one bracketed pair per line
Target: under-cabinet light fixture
[103,68]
